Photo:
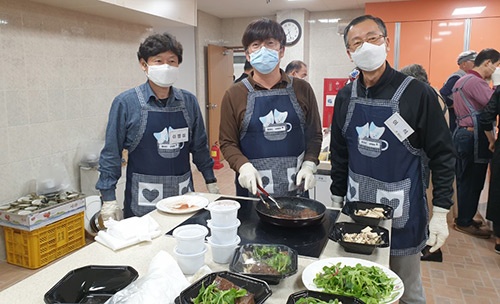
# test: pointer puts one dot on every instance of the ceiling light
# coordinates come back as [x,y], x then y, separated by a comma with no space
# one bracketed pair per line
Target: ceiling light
[3,22]
[468,10]
[444,33]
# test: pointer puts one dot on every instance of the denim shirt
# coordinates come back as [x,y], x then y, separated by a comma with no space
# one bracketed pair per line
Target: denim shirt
[123,128]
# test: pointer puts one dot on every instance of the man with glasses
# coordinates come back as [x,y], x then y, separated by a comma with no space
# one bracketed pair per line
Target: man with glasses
[270,128]
[383,121]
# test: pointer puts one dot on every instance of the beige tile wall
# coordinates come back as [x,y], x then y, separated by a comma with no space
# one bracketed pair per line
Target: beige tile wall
[60,71]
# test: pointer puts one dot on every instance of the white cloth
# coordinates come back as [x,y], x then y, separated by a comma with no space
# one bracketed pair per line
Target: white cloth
[438,228]
[162,284]
[127,232]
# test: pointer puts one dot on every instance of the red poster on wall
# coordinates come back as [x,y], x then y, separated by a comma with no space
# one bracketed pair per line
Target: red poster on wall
[331,87]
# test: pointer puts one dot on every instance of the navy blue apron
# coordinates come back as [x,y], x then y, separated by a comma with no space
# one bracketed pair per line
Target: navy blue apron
[272,138]
[482,153]
[385,170]
[158,160]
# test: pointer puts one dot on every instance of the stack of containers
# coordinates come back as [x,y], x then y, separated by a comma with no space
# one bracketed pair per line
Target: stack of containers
[191,248]
[223,226]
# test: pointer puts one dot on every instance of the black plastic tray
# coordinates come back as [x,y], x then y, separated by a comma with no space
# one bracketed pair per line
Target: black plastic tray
[339,229]
[238,262]
[294,297]
[259,288]
[351,207]
[91,284]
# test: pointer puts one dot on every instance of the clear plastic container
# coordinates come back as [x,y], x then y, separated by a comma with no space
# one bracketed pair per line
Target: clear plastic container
[190,238]
[224,213]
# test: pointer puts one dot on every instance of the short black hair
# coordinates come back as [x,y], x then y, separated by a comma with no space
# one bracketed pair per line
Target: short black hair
[357,20]
[247,66]
[262,29]
[294,65]
[486,54]
[159,43]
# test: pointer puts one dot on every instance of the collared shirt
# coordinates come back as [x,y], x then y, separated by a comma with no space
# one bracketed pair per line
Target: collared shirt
[477,91]
[123,127]
[418,106]
[233,110]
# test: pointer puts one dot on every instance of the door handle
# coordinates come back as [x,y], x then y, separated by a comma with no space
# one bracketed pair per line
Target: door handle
[211,106]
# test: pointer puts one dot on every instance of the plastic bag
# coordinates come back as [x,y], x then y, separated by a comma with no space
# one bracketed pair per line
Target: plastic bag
[162,284]
[53,178]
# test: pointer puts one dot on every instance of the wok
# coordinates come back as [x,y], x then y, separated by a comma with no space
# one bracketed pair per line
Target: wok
[295,212]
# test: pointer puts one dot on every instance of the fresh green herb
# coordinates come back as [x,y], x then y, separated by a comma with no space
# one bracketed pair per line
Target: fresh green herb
[212,295]
[272,256]
[311,300]
[369,284]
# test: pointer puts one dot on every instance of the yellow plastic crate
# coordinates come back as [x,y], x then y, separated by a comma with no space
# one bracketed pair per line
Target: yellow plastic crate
[34,249]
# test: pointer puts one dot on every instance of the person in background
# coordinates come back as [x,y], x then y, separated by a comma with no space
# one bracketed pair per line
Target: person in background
[487,120]
[160,126]
[418,72]
[465,61]
[247,69]
[383,121]
[296,68]
[270,131]
[470,95]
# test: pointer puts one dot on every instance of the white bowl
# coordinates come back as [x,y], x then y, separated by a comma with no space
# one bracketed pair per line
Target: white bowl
[223,235]
[190,263]
[223,254]
[224,212]
[190,238]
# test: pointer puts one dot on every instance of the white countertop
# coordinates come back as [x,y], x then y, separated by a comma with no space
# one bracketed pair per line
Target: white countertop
[32,289]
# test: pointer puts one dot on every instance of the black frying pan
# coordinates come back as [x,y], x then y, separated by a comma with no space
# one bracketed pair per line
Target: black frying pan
[295,211]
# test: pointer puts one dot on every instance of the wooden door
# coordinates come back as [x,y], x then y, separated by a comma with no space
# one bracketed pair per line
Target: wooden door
[220,78]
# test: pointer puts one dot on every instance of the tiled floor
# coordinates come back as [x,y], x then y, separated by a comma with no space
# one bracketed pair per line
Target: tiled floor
[470,272]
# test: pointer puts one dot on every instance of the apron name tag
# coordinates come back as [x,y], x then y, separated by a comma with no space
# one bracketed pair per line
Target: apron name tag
[399,126]
[179,135]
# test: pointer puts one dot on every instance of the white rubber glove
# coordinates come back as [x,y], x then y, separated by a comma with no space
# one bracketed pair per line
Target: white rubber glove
[337,201]
[213,188]
[111,210]
[438,228]
[249,177]
[306,173]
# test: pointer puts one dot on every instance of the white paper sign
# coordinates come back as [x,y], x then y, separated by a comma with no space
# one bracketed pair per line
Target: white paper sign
[399,126]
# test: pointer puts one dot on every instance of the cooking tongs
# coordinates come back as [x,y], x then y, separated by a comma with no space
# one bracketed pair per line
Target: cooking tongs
[268,196]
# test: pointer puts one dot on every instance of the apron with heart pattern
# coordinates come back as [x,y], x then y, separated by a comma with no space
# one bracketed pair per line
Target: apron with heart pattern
[158,161]
[272,138]
[385,170]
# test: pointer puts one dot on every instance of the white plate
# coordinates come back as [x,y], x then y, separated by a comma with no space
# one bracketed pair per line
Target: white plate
[182,204]
[312,269]
[92,206]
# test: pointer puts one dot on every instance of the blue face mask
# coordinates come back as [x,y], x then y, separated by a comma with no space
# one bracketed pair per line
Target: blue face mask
[264,60]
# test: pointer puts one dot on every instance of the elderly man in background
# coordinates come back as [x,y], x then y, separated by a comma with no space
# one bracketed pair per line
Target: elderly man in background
[296,68]
[471,93]
[465,63]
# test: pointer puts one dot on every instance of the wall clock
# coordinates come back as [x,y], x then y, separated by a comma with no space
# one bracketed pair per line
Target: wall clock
[293,31]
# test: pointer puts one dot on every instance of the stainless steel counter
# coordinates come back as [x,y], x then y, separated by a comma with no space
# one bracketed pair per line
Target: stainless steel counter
[32,289]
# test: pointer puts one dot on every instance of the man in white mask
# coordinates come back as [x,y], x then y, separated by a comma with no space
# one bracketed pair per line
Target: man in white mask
[270,131]
[161,127]
[383,121]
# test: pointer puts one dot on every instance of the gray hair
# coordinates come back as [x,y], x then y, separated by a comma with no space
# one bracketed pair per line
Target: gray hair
[417,71]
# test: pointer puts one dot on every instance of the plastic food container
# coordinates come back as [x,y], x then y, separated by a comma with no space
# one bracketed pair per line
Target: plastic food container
[222,254]
[258,288]
[91,284]
[224,212]
[223,235]
[339,229]
[190,263]
[190,238]
[294,297]
[245,261]
[350,209]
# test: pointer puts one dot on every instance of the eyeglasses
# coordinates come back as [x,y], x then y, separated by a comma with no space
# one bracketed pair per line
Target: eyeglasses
[373,39]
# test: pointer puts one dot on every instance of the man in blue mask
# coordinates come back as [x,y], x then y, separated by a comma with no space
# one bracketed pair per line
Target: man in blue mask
[270,129]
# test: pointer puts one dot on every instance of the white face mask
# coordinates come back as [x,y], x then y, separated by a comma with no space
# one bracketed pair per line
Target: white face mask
[162,75]
[369,57]
[495,77]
